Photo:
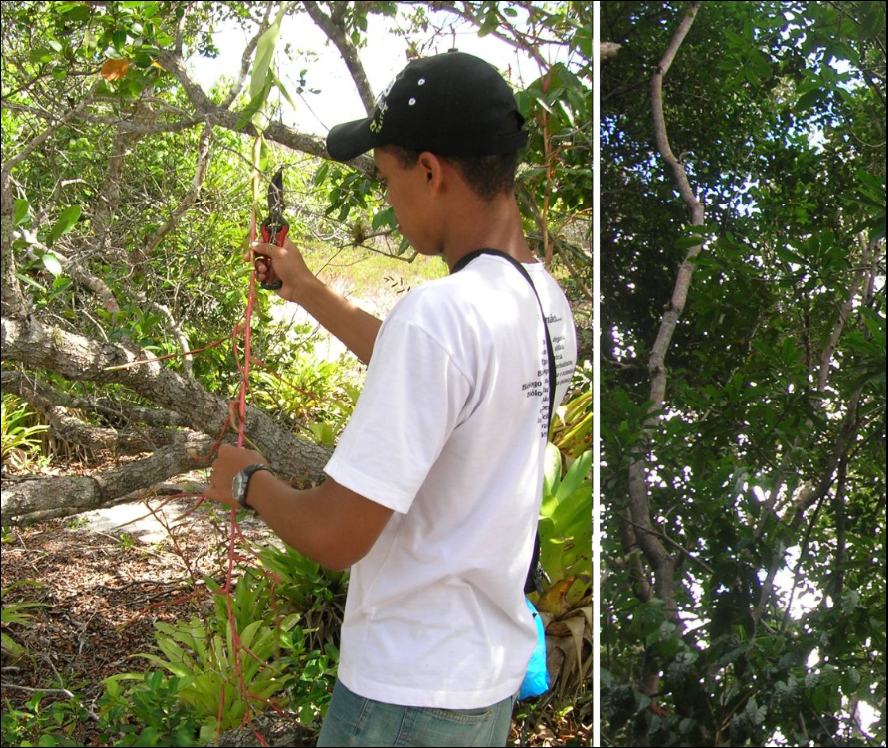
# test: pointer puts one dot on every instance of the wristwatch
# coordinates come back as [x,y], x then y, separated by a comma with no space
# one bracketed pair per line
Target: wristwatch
[241,482]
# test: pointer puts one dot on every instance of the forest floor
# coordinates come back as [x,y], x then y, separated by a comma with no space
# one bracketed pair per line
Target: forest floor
[100,593]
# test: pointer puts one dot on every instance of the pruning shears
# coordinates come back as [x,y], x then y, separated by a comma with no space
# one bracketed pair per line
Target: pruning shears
[274,228]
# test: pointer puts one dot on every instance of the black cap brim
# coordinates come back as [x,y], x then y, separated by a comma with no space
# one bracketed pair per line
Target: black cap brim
[350,139]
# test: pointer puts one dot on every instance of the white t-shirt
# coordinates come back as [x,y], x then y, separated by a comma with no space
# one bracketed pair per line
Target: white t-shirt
[450,432]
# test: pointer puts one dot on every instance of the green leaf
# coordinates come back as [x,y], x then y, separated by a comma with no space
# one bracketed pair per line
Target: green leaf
[21,210]
[41,54]
[78,14]
[573,514]
[787,255]
[552,469]
[575,476]
[686,242]
[384,218]
[735,39]
[321,174]
[174,667]
[548,505]
[280,87]
[251,110]
[265,47]
[142,60]
[760,64]
[69,216]
[808,100]
[52,264]
[30,281]
[871,180]
[489,24]
[756,714]
[249,632]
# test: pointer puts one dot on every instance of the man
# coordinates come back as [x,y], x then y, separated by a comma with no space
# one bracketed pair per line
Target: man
[433,493]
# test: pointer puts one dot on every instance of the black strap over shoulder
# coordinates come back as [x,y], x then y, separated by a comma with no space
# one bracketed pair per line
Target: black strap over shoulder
[534,581]
[521,269]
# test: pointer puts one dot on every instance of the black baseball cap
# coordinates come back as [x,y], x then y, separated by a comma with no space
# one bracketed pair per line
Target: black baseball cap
[452,104]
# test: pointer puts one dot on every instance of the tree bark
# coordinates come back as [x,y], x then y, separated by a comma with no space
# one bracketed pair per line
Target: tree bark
[642,532]
[35,499]
[79,358]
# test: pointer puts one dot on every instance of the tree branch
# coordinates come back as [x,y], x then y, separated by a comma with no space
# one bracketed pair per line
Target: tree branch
[36,499]
[839,325]
[200,173]
[335,31]
[38,140]
[24,384]
[658,557]
[78,272]
[216,115]
[70,428]
[76,357]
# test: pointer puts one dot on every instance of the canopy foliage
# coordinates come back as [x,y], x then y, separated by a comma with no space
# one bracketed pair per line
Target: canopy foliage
[743,343]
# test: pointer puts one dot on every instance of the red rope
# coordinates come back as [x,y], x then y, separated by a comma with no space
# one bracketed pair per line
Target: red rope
[248,316]
[235,530]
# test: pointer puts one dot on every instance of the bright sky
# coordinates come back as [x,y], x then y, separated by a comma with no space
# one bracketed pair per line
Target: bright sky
[383,57]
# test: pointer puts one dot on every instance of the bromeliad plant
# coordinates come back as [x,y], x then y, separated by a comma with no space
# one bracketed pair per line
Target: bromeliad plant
[566,556]
[571,428]
[566,526]
[14,613]
[312,590]
[19,439]
[216,673]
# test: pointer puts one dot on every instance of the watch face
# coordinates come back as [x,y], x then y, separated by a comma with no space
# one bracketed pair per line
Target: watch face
[237,486]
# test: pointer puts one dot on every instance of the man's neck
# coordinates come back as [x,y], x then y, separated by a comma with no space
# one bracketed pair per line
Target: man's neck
[494,225]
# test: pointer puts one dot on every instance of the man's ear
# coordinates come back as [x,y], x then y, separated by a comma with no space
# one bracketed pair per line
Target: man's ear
[433,171]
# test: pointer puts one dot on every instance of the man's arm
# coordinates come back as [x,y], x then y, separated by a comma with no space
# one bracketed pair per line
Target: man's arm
[356,328]
[330,524]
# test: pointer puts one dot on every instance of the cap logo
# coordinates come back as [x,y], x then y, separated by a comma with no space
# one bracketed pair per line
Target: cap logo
[382,106]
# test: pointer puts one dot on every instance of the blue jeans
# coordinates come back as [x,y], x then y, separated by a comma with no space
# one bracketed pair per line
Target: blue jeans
[354,720]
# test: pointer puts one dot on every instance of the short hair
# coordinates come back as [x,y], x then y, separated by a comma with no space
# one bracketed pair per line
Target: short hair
[487,176]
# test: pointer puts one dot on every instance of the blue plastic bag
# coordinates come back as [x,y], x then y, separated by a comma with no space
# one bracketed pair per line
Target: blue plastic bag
[536,680]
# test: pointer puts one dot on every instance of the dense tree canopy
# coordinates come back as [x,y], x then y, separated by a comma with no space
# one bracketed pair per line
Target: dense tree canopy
[743,343]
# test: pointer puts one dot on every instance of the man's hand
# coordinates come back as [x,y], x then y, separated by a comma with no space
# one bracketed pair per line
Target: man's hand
[229,462]
[289,267]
